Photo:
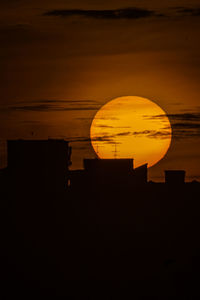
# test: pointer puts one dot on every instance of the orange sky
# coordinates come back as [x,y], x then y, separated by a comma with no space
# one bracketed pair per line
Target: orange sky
[59,66]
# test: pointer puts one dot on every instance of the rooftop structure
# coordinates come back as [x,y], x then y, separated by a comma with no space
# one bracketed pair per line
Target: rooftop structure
[108,165]
[174,177]
[109,173]
[39,163]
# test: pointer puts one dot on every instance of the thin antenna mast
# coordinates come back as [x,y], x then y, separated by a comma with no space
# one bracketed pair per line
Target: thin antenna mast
[115,151]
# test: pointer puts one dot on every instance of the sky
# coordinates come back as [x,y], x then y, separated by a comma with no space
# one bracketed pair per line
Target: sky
[62,60]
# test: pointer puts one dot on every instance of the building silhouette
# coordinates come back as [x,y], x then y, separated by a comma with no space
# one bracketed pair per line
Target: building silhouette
[39,164]
[109,173]
[174,177]
[100,233]
[43,165]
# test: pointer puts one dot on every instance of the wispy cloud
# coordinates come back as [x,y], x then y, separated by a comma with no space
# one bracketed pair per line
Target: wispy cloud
[128,13]
[161,134]
[185,11]
[110,126]
[112,138]
[43,107]
[108,138]
[184,125]
[112,14]
[187,125]
[184,117]
[54,105]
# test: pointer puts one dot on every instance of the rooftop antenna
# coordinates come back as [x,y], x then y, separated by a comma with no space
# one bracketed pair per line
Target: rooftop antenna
[115,151]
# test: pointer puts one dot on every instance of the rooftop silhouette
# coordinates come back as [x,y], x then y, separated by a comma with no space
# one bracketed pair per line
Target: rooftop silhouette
[110,225]
[109,173]
[174,177]
[44,164]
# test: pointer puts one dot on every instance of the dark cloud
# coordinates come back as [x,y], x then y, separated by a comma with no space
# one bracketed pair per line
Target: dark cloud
[153,133]
[159,134]
[123,133]
[188,11]
[186,130]
[106,118]
[55,105]
[180,134]
[184,125]
[110,126]
[112,14]
[64,101]
[45,107]
[111,138]
[187,125]
[103,138]
[184,117]
[123,13]
[145,133]
[104,126]
[78,139]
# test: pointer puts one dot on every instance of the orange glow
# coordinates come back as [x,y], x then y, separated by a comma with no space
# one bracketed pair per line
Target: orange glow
[131,127]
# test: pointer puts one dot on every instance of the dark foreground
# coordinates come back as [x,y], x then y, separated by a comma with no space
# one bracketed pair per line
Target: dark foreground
[140,243]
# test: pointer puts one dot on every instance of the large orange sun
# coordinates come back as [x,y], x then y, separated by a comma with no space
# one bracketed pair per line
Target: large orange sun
[131,127]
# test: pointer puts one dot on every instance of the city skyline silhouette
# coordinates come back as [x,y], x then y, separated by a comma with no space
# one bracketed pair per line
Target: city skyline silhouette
[100,149]
[109,224]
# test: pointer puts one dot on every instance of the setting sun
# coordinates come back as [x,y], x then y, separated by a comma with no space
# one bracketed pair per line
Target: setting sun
[131,127]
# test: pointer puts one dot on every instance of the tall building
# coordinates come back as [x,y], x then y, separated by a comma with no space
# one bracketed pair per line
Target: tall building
[109,173]
[39,164]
